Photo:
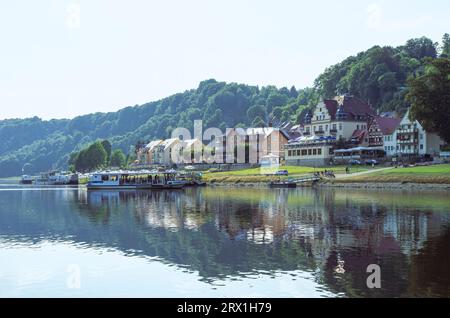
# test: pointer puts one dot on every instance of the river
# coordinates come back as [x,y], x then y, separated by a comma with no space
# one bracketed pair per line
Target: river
[222,242]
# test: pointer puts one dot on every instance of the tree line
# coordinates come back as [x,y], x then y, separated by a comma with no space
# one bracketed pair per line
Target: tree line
[379,75]
[96,156]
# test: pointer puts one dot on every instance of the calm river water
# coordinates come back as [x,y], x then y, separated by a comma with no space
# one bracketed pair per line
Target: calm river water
[222,242]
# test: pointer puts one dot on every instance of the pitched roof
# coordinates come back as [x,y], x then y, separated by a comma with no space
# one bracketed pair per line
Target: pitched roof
[150,146]
[350,105]
[387,125]
[168,142]
[359,135]
[332,107]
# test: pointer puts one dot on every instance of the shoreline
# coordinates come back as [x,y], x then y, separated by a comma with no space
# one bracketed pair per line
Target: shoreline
[345,185]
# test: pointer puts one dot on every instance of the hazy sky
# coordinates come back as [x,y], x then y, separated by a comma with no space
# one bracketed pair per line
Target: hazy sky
[62,58]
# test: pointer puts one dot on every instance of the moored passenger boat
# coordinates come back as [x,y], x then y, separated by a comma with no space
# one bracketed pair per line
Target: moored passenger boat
[26,179]
[130,180]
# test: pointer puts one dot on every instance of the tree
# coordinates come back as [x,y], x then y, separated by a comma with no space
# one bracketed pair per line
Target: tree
[276,99]
[256,111]
[445,48]
[293,92]
[421,48]
[90,158]
[429,95]
[107,146]
[118,158]
[258,122]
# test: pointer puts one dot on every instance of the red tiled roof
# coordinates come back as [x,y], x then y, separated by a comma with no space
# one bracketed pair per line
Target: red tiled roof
[332,107]
[358,134]
[387,125]
[355,106]
[352,106]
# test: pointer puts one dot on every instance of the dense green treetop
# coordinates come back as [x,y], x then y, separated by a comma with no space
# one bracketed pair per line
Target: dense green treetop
[429,94]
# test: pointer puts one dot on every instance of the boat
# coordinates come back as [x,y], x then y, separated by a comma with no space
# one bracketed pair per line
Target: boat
[132,180]
[26,179]
[192,179]
[54,177]
[283,184]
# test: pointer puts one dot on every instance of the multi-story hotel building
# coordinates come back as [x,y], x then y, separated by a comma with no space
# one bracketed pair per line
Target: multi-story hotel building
[343,118]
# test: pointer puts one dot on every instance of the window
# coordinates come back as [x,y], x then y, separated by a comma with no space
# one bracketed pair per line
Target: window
[290,153]
[105,177]
[304,152]
[298,152]
[320,128]
[334,126]
[421,136]
[357,127]
[421,147]
[314,152]
[340,126]
[319,151]
[309,152]
[385,148]
[326,127]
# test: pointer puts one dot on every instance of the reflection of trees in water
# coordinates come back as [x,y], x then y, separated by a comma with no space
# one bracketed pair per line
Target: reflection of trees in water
[222,232]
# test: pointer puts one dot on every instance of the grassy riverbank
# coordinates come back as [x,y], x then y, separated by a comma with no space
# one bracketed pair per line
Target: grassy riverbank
[437,174]
[264,175]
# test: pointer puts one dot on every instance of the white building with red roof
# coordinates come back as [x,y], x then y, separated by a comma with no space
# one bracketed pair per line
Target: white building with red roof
[382,134]
[343,118]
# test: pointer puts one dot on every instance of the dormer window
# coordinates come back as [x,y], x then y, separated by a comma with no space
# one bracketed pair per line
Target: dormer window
[340,114]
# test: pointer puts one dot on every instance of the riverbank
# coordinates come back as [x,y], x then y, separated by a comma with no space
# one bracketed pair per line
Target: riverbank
[265,175]
[423,177]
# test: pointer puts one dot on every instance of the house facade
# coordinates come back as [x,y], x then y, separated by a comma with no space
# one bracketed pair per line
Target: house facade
[344,119]
[412,140]
[382,133]
[252,145]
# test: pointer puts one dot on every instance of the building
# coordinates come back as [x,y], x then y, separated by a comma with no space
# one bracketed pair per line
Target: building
[382,134]
[413,141]
[339,117]
[162,153]
[251,145]
[310,151]
[191,151]
[147,152]
[344,119]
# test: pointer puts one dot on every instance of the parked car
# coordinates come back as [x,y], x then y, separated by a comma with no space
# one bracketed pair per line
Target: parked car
[354,162]
[372,162]
[282,173]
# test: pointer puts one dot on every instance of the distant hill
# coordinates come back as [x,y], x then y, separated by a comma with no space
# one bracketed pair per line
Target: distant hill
[377,75]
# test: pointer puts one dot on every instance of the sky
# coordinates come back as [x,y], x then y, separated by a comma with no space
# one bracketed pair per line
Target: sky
[63,58]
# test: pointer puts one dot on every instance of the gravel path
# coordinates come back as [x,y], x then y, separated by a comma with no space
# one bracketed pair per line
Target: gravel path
[344,176]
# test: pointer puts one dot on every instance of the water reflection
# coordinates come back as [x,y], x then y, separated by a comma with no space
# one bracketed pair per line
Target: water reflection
[223,233]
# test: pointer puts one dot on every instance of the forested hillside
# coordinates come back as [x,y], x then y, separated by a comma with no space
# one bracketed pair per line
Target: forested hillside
[377,75]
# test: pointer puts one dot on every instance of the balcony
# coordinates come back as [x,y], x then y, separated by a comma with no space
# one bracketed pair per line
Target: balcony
[319,132]
[401,131]
[333,131]
[407,141]
[307,133]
